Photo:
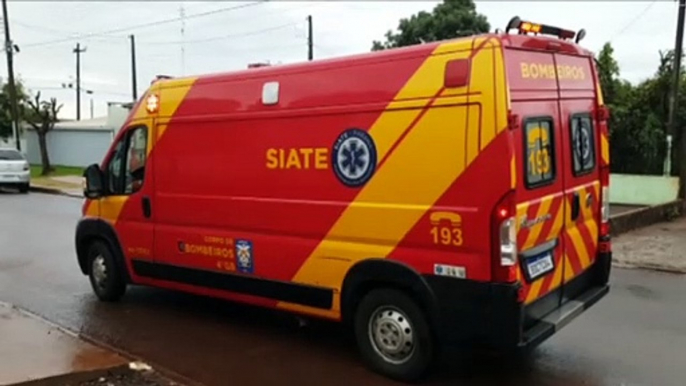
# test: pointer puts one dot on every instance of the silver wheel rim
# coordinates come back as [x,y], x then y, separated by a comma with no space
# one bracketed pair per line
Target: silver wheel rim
[99,271]
[392,335]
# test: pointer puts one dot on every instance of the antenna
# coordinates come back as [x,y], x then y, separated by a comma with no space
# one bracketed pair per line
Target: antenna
[182,13]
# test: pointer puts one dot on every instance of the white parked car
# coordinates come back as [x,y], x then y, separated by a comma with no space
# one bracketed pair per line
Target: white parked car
[14,170]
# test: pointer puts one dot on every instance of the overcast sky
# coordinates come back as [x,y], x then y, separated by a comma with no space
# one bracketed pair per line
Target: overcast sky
[237,33]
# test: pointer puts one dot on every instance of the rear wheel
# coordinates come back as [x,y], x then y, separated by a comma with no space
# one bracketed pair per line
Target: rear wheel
[24,188]
[393,335]
[105,277]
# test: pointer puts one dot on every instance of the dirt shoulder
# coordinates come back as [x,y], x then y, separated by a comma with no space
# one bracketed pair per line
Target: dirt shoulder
[660,246]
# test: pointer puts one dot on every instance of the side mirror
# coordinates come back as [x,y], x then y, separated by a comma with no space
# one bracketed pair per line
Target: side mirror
[93,186]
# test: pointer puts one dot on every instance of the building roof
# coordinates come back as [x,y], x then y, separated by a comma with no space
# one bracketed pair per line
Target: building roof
[95,124]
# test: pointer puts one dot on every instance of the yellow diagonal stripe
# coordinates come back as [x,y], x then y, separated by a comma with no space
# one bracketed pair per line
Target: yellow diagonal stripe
[535,230]
[557,223]
[349,240]
[557,278]
[171,96]
[534,290]
[513,173]
[579,246]
[605,149]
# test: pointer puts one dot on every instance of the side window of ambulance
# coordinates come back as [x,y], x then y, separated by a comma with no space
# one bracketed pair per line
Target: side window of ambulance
[126,171]
[540,151]
[114,172]
[135,159]
[583,144]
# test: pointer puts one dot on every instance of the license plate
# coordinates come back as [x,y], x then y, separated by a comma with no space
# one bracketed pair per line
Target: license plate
[540,265]
[9,178]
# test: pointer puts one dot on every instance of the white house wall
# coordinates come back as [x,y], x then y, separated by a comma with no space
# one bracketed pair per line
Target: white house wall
[70,147]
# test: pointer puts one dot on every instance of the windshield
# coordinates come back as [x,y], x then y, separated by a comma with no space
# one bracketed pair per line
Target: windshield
[11,155]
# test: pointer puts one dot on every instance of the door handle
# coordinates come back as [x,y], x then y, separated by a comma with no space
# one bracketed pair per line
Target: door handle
[147,209]
[576,206]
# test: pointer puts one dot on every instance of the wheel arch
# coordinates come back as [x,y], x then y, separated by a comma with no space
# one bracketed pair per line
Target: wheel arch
[91,230]
[383,273]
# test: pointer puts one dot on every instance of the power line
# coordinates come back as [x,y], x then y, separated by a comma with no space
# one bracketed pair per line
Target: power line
[146,25]
[214,38]
[40,28]
[95,91]
[634,20]
[168,55]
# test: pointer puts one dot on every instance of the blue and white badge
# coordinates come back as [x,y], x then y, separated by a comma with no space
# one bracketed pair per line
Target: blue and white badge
[244,258]
[354,157]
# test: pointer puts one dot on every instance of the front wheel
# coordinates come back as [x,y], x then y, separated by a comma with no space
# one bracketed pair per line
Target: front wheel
[393,335]
[24,188]
[105,277]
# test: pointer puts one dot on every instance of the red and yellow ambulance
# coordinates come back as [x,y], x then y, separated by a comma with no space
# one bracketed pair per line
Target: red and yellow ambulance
[453,192]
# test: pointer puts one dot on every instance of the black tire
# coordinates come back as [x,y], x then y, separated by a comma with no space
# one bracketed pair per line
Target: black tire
[24,188]
[113,287]
[422,352]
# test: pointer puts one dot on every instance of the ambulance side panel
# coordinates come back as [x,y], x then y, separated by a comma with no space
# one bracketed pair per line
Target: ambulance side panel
[249,198]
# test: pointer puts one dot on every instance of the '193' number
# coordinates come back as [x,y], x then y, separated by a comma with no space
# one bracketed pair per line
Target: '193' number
[539,162]
[447,236]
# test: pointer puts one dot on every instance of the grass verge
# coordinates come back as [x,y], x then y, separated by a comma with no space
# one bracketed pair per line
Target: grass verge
[58,171]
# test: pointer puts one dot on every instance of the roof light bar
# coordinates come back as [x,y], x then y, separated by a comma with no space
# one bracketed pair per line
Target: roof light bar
[526,27]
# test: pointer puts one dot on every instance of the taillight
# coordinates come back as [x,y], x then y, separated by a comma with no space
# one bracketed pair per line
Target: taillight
[604,202]
[508,243]
[504,223]
[605,210]
[26,166]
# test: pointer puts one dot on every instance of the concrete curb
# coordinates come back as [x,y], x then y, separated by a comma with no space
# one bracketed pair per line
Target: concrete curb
[173,375]
[46,190]
[642,217]
[78,377]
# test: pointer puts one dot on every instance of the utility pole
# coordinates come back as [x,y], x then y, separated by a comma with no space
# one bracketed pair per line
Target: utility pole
[91,108]
[9,50]
[671,123]
[310,39]
[133,68]
[182,13]
[78,50]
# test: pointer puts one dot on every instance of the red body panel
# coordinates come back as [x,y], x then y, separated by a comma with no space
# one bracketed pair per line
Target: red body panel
[222,166]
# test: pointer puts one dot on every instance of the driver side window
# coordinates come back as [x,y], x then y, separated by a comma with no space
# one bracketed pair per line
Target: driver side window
[126,170]
[114,170]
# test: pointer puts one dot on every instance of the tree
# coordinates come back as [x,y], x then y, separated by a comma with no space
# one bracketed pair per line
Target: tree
[608,73]
[6,128]
[42,116]
[448,20]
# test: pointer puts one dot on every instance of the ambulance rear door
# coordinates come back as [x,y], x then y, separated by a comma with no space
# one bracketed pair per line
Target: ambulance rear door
[539,165]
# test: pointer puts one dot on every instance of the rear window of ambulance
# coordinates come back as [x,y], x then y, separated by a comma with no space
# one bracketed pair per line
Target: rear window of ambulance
[539,149]
[583,144]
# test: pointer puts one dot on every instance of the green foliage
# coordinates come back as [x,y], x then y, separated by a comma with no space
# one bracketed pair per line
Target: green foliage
[448,20]
[638,115]
[6,129]
[608,72]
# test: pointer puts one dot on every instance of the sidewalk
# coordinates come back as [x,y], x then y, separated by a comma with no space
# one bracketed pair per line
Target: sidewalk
[659,246]
[64,185]
[33,350]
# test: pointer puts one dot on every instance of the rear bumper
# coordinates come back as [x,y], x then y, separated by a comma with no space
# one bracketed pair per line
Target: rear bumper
[15,178]
[489,315]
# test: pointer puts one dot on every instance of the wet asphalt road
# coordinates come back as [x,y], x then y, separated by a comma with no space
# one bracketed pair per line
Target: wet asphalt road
[635,336]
